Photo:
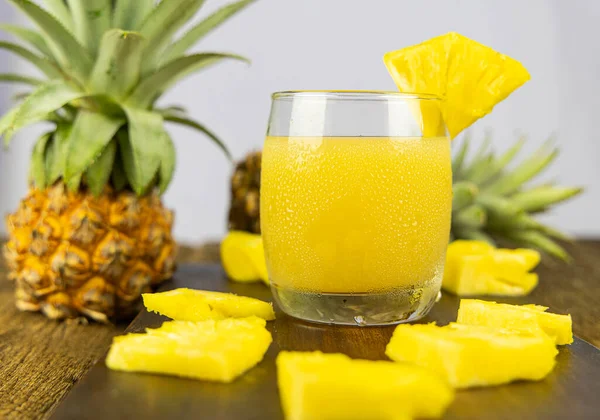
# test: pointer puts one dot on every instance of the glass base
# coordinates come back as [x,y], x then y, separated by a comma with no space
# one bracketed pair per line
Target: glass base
[363,309]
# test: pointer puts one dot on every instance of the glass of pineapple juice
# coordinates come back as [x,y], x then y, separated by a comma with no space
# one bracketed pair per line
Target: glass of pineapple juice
[356,195]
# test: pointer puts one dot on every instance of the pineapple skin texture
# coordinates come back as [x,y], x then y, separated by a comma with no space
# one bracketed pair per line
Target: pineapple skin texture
[315,385]
[212,350]
[525,317]
[72,254]
[471,356]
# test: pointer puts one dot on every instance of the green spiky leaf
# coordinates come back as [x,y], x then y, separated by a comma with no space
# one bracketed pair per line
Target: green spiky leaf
[519,222]
[59,10]
[472,234]
[141,150]
[128,15]
[30,36]
[172,110]
[498,165]
[74,183]
[480,168]
[38,161]
[529,168]
[70,54]
[553,233]
[17,78]
[459,161]
[161,24]
[117,69]
[174,118]
[44,100]
[155,84]
[43,64]
[463,195]
[535,239]
[473,216]
[540,198]
[118,177]
[167,163]
[6,121]
[183,44]
[49,159]
[91,19]
[98,174]
[89,136]
[55,165]
[499,207]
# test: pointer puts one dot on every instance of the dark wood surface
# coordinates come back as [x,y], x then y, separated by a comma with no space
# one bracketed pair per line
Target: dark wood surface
[41,360]
[571,390]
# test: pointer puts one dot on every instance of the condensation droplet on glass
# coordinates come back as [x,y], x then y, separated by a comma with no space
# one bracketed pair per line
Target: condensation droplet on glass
[360,321]
[438,297]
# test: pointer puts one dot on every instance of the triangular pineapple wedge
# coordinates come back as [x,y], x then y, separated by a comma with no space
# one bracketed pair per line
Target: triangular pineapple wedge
[469,77]
[213,350]
[198,305]
[315,385]
[468,355]
[525,317]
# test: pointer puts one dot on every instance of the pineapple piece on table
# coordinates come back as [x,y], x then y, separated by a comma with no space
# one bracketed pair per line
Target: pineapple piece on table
[522,317]
[315,385]
[477,268]
[93,234]
[469,356]
[198,305]
[213,350]
[243,257]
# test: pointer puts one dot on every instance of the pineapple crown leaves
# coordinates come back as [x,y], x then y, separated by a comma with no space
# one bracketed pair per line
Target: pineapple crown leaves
[492,203]
[106,63]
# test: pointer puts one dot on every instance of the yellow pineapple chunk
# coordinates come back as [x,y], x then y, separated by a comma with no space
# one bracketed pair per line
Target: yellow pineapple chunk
[199,305]
[477,268]
[492,314]
[213,350]
[314,385]
[243,257]
[470,356]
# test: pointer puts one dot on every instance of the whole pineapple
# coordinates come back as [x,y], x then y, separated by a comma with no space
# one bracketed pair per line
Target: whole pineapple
[92,234]
[490,202]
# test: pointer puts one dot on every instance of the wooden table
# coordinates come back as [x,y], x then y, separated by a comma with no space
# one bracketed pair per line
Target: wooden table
[41,360]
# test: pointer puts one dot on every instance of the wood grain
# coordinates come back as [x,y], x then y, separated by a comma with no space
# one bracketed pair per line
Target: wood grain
[570,391]
[41,360]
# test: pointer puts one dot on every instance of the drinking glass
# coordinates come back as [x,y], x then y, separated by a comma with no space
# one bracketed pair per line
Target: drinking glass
[356,196]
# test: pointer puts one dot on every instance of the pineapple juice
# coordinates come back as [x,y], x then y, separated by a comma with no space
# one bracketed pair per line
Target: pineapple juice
[356,218]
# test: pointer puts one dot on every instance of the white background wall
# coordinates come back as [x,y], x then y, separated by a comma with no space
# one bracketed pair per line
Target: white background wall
[338,44]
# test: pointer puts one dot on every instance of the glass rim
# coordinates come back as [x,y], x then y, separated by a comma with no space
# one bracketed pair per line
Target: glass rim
[355,94]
